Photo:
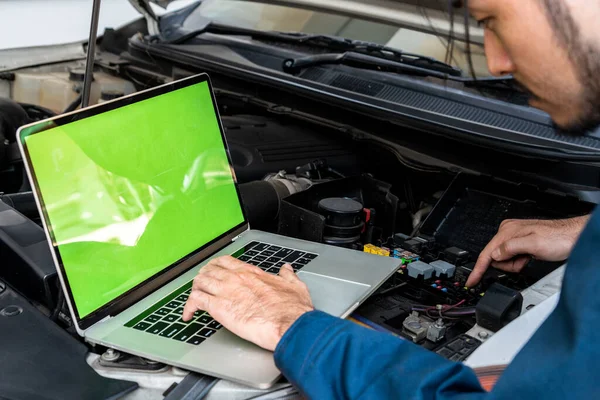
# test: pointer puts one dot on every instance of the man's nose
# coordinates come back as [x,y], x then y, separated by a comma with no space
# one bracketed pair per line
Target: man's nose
[499,62]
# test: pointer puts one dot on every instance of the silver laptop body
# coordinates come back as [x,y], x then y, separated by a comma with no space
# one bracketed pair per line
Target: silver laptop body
[338,279]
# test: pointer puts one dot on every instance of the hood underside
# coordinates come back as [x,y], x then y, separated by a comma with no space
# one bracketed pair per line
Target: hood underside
[429,16]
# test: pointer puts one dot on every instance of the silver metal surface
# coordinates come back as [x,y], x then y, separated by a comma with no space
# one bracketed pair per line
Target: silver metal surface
[339,280]
[415,327]
[110,355]
[436,331]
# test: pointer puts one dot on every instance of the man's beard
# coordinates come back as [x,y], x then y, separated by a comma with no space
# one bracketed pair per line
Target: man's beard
[585,58]
[588,120]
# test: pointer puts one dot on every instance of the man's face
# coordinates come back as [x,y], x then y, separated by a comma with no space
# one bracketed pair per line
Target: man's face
[552,47]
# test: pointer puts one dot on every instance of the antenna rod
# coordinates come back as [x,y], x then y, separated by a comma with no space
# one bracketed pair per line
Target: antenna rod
[91,52]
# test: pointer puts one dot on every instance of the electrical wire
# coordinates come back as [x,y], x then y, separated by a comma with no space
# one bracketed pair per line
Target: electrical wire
[449,41]
[444,311]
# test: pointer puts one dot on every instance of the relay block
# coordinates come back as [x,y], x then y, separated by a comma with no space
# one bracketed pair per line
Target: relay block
[427,301]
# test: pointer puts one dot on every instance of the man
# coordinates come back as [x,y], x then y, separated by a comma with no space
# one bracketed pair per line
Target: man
[552,47]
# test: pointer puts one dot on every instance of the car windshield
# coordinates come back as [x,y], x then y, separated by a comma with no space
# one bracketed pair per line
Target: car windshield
[268,17]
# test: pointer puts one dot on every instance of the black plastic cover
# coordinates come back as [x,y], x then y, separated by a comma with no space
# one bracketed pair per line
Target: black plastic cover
[471,210]
[41,360]
[498,307]
[260,146]
[26,258]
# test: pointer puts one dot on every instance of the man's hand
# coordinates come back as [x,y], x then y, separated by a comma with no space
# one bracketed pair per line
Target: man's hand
[251,303]
[519,240]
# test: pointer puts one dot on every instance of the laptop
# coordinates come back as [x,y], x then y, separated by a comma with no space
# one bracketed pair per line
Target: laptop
[136,195]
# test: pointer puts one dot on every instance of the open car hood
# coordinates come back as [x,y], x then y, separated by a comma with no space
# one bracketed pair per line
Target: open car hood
[429,16]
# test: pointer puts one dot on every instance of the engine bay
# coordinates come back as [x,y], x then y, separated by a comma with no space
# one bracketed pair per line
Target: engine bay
[302,179]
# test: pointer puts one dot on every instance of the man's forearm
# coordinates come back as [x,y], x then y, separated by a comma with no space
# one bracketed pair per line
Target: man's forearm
[329,358]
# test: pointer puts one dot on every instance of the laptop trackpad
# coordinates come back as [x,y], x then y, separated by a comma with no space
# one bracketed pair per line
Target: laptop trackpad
[332,295]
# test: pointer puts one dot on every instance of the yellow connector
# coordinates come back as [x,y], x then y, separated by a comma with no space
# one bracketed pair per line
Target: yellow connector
[369,248]
[380,251]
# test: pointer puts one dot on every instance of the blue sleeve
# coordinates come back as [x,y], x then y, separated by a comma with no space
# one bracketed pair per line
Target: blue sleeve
[330,358]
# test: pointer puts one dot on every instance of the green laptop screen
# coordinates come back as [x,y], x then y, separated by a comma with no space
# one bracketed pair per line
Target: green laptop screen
[130,191]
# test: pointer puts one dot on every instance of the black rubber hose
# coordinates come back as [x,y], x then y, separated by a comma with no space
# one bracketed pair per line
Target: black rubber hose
[73,106]
[261,202]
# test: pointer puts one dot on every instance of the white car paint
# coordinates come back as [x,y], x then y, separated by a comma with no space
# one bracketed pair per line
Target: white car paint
[33,23]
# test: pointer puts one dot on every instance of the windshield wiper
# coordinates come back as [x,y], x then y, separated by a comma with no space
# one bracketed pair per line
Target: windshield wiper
[373,50]
[379,51]
[366,61]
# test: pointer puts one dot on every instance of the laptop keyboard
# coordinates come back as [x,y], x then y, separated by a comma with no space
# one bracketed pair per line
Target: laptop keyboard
[164,317]
[270,258]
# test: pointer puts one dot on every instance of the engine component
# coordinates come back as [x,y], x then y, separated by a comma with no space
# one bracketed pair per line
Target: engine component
[418,244]
[57,89]
[262,199]
[419,268]
[343,220]
[415,327]
[24,203]
[459,348]
[499,306]
[108,95]
[26,259]
[406,256]
[443,268]
[260,145]
[116,360]
[455,255]
[436,331]
[12,116]
[302,217]
[379,251]
[413,245]
[400,238]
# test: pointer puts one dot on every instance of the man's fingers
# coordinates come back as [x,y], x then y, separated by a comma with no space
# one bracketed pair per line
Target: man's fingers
[515,265]
[483,262]
[480,267]
[198,300]
[287,273]
[517,246]
[232,264]
[512,229]
[226,262]
[208,283]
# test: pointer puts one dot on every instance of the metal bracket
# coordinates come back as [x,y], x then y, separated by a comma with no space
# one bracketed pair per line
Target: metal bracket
[114,359]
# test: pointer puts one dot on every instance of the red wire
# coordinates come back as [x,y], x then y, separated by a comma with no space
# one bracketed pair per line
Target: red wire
[446,307]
